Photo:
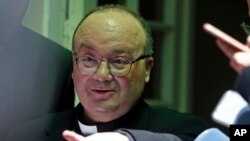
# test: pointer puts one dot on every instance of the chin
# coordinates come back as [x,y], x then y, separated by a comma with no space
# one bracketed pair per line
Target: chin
[107,106]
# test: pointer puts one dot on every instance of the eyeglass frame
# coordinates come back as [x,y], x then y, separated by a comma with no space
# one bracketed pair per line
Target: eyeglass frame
[100,60]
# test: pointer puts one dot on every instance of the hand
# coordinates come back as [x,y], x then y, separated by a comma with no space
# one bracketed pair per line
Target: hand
[105,136]
[238,59]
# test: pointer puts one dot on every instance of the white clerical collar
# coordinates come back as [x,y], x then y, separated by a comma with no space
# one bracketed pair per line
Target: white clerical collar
[86,129]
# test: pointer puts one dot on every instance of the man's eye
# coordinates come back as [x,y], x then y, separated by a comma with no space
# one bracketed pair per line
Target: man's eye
[88,59]
[120,61]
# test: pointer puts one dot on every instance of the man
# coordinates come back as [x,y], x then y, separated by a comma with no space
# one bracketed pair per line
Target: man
[112,60]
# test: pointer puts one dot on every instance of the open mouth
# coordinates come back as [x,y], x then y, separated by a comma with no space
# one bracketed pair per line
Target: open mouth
[102,91]
[102,94]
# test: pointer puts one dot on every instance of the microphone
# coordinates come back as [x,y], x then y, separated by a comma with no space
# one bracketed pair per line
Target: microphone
[212,134]
[242,84]
[230,108]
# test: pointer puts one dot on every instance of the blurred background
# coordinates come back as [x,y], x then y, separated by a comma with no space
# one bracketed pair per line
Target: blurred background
[190,73]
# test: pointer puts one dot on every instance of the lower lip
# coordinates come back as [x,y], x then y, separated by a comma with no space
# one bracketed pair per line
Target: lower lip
[102,94]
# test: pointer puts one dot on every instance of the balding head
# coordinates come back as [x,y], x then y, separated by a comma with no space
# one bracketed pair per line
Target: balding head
[116,18]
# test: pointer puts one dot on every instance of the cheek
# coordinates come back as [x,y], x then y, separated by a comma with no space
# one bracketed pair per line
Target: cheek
[79,81]
[137,76]
[133,83]
[80,86]
[75,77]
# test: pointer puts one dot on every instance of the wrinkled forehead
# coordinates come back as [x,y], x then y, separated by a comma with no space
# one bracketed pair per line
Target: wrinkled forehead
[120,24]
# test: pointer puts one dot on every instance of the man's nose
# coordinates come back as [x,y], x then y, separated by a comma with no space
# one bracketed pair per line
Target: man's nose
[103,73]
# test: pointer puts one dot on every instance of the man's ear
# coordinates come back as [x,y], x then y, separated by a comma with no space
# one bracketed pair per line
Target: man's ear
[149,65]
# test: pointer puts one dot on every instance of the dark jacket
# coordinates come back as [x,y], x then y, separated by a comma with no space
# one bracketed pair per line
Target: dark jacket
[141,117]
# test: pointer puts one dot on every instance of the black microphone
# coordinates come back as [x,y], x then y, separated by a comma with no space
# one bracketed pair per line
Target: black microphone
[212,134]
[242,84]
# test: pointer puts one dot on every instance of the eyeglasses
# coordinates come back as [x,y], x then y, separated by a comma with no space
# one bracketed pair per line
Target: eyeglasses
[118,66]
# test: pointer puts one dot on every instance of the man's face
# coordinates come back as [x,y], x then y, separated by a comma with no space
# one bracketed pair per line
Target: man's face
[106,36]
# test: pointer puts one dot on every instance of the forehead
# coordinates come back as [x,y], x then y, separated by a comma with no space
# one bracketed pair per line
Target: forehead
[110,27]
[111,16]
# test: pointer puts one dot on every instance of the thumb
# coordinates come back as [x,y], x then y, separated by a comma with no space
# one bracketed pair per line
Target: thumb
[72,136]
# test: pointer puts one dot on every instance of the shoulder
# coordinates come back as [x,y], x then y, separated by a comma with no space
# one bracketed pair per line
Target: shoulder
[185,125]
[173,116]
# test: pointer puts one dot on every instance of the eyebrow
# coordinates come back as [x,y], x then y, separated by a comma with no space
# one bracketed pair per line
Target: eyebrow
[82,46]
[117,51]
[120,51]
